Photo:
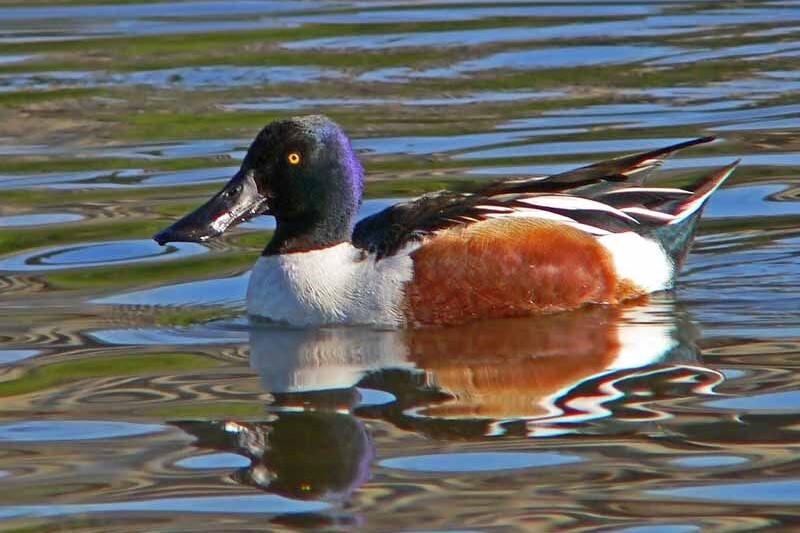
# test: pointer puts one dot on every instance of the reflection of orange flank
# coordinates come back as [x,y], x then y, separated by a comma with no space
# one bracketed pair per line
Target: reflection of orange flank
[510,368]
[517,368]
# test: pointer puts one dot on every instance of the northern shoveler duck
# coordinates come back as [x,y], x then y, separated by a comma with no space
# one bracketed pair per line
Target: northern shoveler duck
[510,248]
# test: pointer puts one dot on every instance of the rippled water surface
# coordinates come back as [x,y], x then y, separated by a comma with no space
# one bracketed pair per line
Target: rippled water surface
[136,396]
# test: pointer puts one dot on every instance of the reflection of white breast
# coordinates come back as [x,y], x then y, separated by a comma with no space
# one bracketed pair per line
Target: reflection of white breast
[336,285]
[322,359]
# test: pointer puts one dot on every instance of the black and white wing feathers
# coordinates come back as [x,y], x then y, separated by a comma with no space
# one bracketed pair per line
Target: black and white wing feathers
[596,199]
[386,232]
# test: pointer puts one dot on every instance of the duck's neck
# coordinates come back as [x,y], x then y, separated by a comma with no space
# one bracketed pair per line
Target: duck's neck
[307,234]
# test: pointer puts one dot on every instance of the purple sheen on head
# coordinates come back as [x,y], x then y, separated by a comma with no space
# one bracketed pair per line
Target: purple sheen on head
[352,165]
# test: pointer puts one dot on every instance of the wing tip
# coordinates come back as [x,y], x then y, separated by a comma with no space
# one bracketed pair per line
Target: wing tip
[667,150]
[703,140]
[703,191]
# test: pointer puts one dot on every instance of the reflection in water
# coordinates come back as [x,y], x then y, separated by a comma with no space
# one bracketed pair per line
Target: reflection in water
[308,454]
[301,360]
[538,376]
[558,368]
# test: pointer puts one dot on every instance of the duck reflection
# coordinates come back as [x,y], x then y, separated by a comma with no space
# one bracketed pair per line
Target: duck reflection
[308,454]
[531,368]
[532,376]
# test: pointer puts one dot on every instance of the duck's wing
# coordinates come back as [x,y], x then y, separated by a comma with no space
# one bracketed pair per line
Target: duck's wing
[388,231]
[597,178]
[598,199]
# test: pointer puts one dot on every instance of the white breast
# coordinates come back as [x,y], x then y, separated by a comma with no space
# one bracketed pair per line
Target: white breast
[336,285]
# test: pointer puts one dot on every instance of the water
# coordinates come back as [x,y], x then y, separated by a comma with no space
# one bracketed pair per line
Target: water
[137,396]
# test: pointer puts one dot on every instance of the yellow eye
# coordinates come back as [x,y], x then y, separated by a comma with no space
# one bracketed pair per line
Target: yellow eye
[294,158]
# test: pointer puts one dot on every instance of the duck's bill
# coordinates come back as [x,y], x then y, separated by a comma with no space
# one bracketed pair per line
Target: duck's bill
[237,202]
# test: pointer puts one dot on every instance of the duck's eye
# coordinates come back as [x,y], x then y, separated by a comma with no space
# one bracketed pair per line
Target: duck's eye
[293,158]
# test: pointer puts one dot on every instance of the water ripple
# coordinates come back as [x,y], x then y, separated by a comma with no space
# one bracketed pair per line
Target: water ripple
[251,503]
[478,462]
[69,430]
[98,254]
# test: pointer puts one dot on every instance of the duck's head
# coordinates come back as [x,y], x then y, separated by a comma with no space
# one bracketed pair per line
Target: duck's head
[303,171]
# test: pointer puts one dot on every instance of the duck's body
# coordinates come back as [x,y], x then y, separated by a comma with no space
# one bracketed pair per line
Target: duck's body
[493,268]
[512,248]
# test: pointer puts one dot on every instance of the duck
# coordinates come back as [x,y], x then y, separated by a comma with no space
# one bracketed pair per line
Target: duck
[595,235]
